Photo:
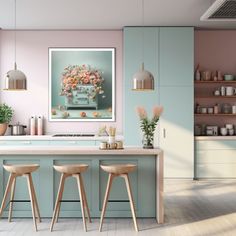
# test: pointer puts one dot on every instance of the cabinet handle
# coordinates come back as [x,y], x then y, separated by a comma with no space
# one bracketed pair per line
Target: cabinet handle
[26,142]
[164,133]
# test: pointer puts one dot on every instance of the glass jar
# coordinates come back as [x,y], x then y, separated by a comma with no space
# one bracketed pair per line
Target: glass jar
[226,108]
[148,141]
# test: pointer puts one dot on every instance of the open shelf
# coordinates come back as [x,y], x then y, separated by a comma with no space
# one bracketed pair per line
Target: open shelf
[215,82]
[213,96]
[219,114]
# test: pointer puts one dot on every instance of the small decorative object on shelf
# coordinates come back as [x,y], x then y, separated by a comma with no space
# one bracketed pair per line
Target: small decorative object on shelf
[148,126]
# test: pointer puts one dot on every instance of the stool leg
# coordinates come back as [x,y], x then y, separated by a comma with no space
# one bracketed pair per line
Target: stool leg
[59,196]
[31,200]
[85,200]
[8,188]
[12,198]
[59,206]
[109,183]
[126,177]
[79,182]
[35,199]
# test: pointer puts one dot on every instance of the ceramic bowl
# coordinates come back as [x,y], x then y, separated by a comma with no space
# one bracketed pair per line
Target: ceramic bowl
[228,77]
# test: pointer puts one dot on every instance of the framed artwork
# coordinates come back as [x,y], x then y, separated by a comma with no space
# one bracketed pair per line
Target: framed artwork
[81,84]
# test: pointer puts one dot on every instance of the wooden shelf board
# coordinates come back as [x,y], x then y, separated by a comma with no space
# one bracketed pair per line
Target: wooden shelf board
[214,82]
[215,96]
[219,114]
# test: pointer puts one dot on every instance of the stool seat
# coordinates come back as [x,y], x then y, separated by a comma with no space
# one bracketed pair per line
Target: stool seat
[21,169]
[71,169]
[119,169]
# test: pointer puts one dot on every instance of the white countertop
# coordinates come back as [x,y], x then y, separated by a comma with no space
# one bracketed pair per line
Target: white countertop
[201,138]
[75,150]
[51,138]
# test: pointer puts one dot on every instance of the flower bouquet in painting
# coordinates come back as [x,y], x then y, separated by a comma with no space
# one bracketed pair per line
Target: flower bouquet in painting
[148,125]
[81,85]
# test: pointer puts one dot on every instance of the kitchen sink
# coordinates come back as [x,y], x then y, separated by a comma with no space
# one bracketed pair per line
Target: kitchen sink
[73,135]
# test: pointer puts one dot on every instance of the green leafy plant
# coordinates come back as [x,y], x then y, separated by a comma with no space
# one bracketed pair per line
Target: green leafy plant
[6,113]
[147,125]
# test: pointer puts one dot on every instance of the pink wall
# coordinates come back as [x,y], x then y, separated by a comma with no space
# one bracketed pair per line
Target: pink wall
[32,58]
[216,50]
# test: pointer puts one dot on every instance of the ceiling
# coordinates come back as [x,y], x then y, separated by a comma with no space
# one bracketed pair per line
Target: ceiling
[104,14]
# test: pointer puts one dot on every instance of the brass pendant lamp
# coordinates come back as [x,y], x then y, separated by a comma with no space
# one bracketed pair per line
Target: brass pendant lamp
[15,79]
[143,80]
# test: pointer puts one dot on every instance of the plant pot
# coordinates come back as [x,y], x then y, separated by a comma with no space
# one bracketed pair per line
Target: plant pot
[3,128]
[148,141]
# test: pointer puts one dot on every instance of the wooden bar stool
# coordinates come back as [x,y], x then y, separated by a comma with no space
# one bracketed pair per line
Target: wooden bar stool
[16,171]
[120,170]
[75,171]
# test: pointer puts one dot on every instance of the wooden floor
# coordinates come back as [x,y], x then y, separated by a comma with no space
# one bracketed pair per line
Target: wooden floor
[192,208]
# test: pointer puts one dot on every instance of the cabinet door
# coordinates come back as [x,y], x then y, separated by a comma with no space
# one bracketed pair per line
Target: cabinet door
[132,61]
[176,56]
[176,131]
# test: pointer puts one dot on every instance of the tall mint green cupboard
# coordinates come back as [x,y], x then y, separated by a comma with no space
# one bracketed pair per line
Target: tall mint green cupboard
[168,54]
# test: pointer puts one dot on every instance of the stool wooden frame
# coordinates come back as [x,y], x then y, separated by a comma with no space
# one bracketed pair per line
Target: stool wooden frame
[17,171]
[71,171]
[118,171]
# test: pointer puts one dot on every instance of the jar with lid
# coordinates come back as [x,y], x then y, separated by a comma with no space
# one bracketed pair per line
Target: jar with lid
[226,108]
[198,109]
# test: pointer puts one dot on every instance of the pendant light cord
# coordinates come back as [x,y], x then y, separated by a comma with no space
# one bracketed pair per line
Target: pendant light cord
[142,34]
[15,33]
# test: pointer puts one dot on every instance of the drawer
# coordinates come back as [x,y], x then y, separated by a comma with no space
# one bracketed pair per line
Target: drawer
[216,171]
[73,143]
[216,156]
[23,142]
[219,144]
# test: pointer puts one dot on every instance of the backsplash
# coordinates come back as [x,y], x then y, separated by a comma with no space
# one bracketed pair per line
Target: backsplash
[32,58]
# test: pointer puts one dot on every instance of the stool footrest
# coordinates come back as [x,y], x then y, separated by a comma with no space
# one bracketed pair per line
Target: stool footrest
[69,200]
[118,200]
[19,201]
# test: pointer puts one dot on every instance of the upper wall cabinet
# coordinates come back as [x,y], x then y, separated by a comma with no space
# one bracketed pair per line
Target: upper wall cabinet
[140,45]
[176,56]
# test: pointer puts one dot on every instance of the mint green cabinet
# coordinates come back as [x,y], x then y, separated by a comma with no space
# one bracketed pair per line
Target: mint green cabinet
[46,181]
[176,131]
[176,56]
[168,54]
[215,159]
[133,44]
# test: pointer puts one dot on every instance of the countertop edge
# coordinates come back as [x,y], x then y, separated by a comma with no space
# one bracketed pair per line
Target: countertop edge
[209,138]
[66,150]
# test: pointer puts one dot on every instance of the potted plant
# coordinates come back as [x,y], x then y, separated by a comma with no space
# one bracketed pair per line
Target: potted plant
[147,125]
[6,114]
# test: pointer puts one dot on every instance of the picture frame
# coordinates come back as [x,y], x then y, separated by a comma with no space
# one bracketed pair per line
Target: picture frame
[82,84]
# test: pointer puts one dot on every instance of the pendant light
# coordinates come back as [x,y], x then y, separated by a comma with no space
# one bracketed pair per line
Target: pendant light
[143,80]
[15,79]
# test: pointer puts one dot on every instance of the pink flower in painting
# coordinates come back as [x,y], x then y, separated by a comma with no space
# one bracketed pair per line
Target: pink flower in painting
[74,72]
[141,112]
[95,81]
[86,80]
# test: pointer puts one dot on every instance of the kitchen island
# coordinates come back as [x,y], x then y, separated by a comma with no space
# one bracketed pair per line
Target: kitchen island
[146,182]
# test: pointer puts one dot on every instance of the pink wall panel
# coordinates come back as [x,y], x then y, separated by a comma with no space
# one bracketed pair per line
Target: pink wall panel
[32,58]
[216,50]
